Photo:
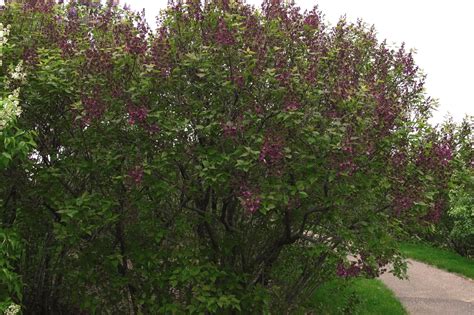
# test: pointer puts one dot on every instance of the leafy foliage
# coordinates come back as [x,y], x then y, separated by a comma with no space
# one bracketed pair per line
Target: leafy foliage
[461,194]
[230,161]
[15,144]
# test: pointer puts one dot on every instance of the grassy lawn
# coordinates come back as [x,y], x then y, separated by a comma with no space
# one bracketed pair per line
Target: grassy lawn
[440,258]
[361,296]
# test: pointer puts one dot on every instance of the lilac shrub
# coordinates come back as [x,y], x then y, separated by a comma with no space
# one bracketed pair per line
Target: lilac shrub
[180,170]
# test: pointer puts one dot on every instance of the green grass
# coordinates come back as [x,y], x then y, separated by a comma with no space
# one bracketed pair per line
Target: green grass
[360,296]
[440,258]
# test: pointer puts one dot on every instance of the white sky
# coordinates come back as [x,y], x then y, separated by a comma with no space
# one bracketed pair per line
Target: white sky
[440,31]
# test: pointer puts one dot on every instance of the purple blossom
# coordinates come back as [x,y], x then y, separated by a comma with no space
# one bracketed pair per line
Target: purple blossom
[112,3]
[97,60]
[402,203]
[223,35]
[137,115]
[249,200]
[435,213]
[407,61]
[195,8]
[72,13]
[43,6]
[399,159]
[312,19]
[348,167]
[283,74]
[30,56]
[310,75]
[347,272]
[272,151]
[160,53]
[292,106]
[93,106]
[444,153]
[152,128]
[135,44]
[136,174]
[225,5]
[230,130]
[238,80]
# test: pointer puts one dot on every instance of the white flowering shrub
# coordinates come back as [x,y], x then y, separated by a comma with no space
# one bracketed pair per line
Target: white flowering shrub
[9,109]
[14,142]
[4,32]
[13,309]
[9,104]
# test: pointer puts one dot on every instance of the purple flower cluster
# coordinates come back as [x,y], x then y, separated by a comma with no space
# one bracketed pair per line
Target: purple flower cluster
[135,44]
[292,105]
[94,108]
[238,80]
[402,203]
[230,130]
[30,56]
[272,152]
[136,174]
[385,112]
[353,270]
[312,20]
[283,73]
[223,35]
[137,115]
[274,9]
[67,46]
[152,128]
[133,38]
[437,157]
[112,3]
[72,13]
[43,6]
[443,153]
[194,7]
[407,62]
[160,52]
[98,61]
[249,199]
[348,165]
[435,213]
[398,159]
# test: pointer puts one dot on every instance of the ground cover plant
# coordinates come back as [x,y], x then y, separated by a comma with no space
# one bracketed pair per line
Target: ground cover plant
[228,161]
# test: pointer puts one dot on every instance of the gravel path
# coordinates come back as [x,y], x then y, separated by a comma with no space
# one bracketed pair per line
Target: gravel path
[432,291]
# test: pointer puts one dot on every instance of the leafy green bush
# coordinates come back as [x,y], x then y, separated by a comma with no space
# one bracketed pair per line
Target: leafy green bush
[15,144]
[461,195]
[228,162]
